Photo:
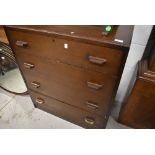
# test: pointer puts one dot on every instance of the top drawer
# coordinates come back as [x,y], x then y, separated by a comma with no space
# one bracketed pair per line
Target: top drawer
[93,57]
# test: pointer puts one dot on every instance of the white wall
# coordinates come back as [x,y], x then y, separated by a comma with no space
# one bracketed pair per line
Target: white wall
[140,37]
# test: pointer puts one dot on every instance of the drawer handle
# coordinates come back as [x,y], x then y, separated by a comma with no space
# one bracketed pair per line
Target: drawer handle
[39,101]
[35,84]
[92,105]
[94,85]
[96,60]
[21,43]
[28,65]
[90,120]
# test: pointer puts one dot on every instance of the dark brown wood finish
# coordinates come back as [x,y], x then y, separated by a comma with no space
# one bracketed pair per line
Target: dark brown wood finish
[77,53]
[152,60]
[88,34]
[68,83]
[71,113]
[139,110]
[76,69]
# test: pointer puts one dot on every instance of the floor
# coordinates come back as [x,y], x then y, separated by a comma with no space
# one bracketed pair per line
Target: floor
[10,79]
[18,112]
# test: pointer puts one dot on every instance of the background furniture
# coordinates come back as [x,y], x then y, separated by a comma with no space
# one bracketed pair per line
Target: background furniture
[72,71]
[141,34]
[3,37]
[10,76]
[139,110]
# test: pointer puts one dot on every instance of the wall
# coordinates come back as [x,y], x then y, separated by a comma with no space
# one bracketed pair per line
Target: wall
[140,37]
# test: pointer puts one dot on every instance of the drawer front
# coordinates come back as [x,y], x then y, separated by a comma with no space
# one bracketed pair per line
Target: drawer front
[93,57]
[70,113]
[85,89]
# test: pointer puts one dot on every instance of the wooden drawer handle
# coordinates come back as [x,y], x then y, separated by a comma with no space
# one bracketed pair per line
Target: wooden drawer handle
[21,43]
[35,84]
[39,101]
[90,120]
[96,60]
[94,85]
[28,65]
[92,105]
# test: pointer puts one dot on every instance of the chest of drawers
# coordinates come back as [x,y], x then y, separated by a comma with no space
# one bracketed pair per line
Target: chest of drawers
[71,71]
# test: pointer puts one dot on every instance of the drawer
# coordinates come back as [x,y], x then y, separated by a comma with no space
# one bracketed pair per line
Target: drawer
[89,90]
[92,57]
[65,111]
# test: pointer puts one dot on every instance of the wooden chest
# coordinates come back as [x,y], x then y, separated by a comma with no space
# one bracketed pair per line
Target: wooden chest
[139,110]
[72,71]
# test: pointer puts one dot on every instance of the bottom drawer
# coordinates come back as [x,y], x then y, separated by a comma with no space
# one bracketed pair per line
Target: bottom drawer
[68,112]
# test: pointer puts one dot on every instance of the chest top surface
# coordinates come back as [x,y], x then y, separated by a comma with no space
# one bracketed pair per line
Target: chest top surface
[118,37]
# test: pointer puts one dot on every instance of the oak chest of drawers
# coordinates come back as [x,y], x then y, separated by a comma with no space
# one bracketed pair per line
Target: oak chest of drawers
[72,71]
